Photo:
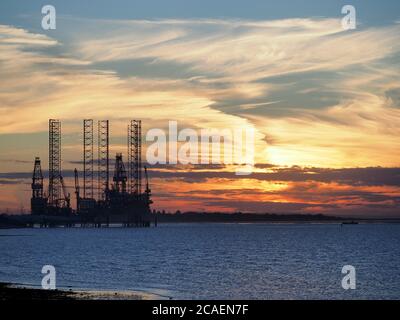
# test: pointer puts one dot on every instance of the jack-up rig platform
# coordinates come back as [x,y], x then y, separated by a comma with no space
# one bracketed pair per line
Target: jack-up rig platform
[120,201]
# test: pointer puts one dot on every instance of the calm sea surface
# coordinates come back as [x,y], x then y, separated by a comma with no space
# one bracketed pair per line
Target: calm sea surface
[212,261]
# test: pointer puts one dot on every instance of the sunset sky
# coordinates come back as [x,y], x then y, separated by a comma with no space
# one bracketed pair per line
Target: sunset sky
[324,101]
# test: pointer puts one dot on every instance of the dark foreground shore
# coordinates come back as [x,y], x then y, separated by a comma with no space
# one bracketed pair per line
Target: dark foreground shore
[9,291]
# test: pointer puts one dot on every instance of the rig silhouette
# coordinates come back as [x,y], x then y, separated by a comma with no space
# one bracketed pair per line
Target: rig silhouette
[122,200]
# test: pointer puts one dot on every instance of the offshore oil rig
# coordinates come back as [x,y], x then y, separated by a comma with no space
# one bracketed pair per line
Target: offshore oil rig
[121,200]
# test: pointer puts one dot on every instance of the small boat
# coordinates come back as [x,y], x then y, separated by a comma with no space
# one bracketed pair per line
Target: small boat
[350,222]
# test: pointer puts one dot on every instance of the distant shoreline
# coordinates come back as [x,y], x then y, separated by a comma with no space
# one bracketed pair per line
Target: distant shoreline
[207,217]
[27,220]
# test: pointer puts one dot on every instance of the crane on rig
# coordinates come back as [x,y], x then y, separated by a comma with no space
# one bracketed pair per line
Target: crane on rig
[38,200]
[67,196]
[148,190]
[77,188]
